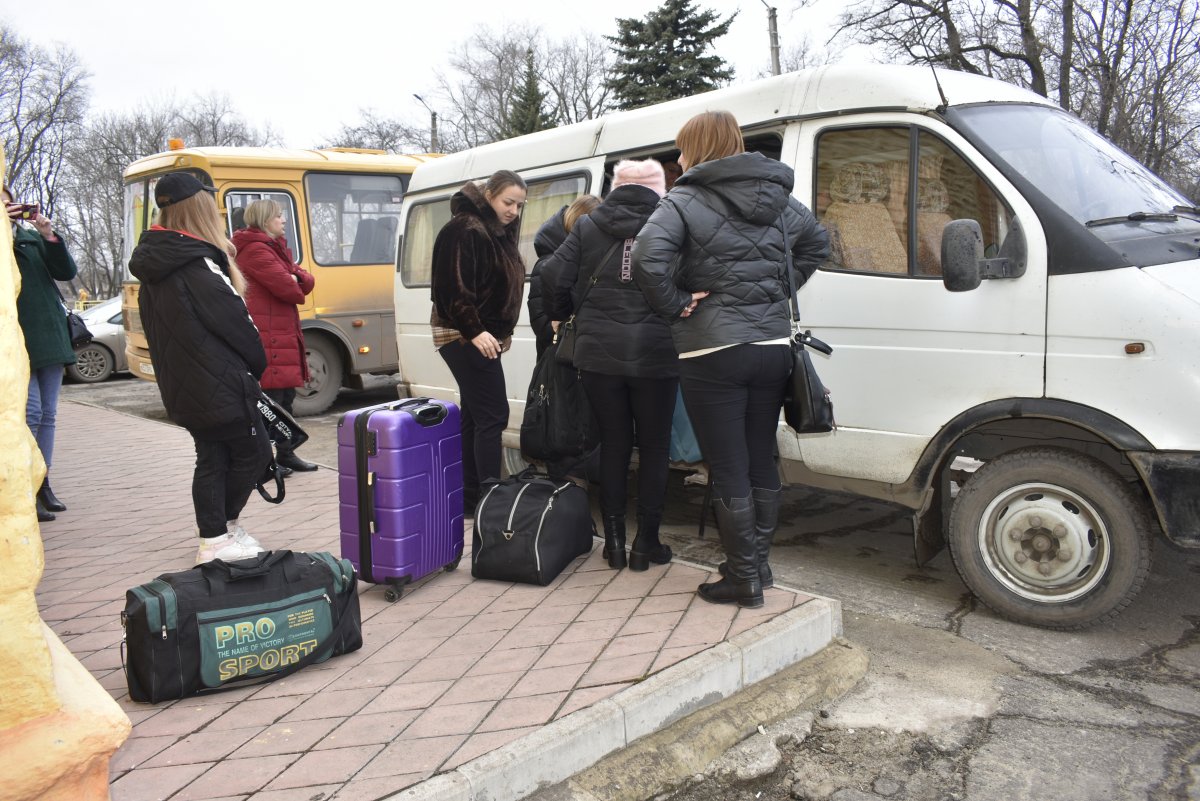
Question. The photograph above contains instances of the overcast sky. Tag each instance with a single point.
(306, 67)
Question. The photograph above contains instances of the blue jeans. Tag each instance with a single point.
(41, 407)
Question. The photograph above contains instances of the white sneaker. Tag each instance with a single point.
(234, 529)
(226, 547)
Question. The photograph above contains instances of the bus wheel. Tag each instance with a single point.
(1051, 538)
(325, 377)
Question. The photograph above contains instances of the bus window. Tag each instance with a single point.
(353, 219)
(424, 222)
(236, 201)
(544, 200)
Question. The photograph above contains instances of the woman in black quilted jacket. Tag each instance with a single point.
(207, 357)
(624, 352)
(711, 260)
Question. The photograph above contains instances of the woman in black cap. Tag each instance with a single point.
(207, 357)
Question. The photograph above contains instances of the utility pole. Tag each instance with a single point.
(773, 29)
(433, 140)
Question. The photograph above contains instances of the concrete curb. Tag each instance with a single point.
(577, 742)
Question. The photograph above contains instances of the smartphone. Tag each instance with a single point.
(24, 211)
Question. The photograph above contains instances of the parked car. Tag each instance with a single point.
(105, 354)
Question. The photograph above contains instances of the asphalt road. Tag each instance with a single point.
(958, 703)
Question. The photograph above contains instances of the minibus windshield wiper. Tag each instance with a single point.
(1187, 210)
(1137, 216)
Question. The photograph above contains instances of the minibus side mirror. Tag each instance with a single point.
(963, 263)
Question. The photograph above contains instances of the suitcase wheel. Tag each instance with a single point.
(392, 594)
(453, 565)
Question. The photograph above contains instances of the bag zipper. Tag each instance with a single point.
(227, 614)
(512, 513)
(537, 554)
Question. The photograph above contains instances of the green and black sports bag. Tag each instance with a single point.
(227, 624)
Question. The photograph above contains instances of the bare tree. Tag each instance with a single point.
(378, 132)
(576, 75)
(1130, 69)
(43, 98)
(486, 70)
(211, 120)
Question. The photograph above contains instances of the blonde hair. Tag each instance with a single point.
(584, 204)
(260, 212)
(708, 136)
(198, 215)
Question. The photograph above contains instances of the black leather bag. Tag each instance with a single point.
(284, 432)
(558, 421)
(528, 528)
(228, 624)
(807, 407)
(806, 404)
(80, 335)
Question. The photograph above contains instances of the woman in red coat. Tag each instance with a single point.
(274, 287)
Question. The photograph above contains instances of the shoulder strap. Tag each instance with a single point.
(593, 277)
(787, 268)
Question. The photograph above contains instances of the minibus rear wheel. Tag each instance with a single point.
(1050, 537)
(325, 376)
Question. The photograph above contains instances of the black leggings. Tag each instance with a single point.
(484, 411)
(622, 404)
(226, 472)
(733, 397)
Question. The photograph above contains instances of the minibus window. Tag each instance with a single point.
(421, 229)
(544, 200)
(886, 193)
(353, 219)
(237, 200)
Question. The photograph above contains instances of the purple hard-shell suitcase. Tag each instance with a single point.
(400, 487)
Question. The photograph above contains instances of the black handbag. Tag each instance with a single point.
(228, 624)
(284, 432)
(558, 422)
(807, 407)
(80, 335)
(528, 528)
(567, 332)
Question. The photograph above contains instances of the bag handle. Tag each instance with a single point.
(273, 471)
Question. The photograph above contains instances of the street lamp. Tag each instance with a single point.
(433, 142)
(773, 30)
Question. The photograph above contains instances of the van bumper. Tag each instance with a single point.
(1173, 479)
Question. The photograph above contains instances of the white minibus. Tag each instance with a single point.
(1012, 302)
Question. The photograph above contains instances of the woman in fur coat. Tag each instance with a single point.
(478, 281)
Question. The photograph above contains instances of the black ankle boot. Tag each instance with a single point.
(766, 520)
(741, 585)
(49, 502)
(647, 547)
(43, 515)
(614, 541)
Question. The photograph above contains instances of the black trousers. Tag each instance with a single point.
(734, 397)
(226, 472)
(484, 411)
(630, 409)
(284, 397)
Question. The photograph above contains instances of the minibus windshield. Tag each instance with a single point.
(1087, 176)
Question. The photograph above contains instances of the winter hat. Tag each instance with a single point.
(648, 173)
(177, 186)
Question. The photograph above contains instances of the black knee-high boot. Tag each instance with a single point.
(766, 521)
(740, 584)
(614, 541)
(647, 547)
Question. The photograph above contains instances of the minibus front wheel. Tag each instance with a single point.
(1050, 537)
(325, 367)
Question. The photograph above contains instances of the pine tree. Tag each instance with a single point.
(526, 114)
(663, 56)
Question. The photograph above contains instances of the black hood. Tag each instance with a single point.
(160, 252)
(552, 234)
(755, 187)
(625, 210)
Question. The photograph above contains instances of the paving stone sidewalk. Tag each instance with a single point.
(455, 670)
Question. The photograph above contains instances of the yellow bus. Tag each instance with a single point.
(341, 209)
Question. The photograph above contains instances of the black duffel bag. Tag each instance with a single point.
(227, 624)
(528, 528)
